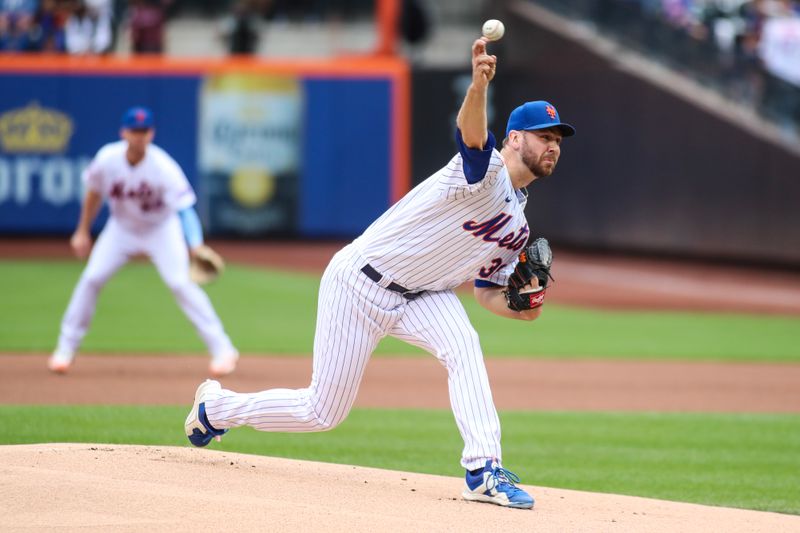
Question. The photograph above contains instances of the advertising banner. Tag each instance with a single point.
(40, 186)
(250, 153)
(52, 126)
(295, 148)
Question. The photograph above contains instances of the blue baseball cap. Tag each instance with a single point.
(138, 118)
(537, 115)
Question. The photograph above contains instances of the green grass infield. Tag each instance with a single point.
(732, 460)
(274, 312)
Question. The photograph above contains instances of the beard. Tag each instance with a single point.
(537, 165)
(536, 162)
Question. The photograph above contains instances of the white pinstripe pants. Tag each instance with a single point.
(353, 314)
(166, 248)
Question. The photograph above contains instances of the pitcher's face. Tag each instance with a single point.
(540, 150)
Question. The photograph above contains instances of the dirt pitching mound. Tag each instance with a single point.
(100, 487)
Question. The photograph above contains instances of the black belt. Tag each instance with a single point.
(376, 276)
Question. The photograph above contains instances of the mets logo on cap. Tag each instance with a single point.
(138, 118)
(537, 115)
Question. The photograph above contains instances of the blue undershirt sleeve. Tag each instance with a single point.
(192, 228)
(481, 283)
(475, 161)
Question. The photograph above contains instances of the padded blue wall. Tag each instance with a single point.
(345, 179)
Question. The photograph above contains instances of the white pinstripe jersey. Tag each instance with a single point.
(447, 231)
(141, 196)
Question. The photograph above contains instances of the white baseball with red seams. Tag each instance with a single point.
(493, 30)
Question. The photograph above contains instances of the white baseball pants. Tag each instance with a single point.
(353, 314)
(166, 248)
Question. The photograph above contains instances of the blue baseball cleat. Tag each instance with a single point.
(494, 484)
(197, 427)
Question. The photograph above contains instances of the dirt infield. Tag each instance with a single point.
(422, 383)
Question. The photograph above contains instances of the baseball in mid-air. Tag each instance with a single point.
(493, 29)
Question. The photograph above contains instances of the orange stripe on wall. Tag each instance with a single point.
(355, 65)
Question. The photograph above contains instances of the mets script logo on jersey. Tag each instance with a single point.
(149, 199)
(489, 229)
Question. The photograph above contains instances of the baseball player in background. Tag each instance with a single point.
(151, 213)
(465, 222)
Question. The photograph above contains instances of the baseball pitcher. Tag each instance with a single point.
(465, 222)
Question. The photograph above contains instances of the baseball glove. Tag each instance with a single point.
(205, 265)
(534, 262)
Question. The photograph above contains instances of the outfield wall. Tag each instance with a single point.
(299, 148)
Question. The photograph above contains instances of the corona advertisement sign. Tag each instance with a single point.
(34, 129)
(250, 152)
(33, 167)
(296, 148)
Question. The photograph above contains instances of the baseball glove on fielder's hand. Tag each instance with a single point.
(205, 265)
(534, 262)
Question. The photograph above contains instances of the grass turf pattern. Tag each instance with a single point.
(274, 312)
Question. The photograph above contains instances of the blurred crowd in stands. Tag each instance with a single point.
(80, 26)
(748, 50)
(92, 26)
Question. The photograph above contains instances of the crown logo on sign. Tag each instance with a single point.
(551, 111)
(34, 129)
